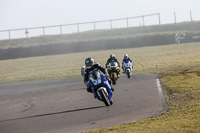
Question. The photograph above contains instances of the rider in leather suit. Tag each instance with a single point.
(113, 59)
(124, 60)
(90, 66)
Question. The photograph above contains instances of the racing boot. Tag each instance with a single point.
(118, 75)
(112, 88)
(95, 96)
(89, 89)
(111, 102)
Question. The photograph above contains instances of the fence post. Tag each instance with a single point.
(110, 24)
(61, 29)
(159, 18)
(127, 22)
(26, 32)
(175, 17)
(143, 20)
(43, 31)
(191, 15)
(94, 26)
(9, 34)
(78, 28)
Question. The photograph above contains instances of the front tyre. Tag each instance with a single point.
(104, 97)
(128, 73)
(113, 79)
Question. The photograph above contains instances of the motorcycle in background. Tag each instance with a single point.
(128, 67)
(112, 70)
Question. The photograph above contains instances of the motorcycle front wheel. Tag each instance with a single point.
(113, 79)
(104, 97)
(128, 73)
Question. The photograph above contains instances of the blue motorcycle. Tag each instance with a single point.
(101, 87)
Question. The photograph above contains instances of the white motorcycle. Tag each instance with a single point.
(128, 68)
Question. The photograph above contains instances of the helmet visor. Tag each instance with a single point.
(88, 64)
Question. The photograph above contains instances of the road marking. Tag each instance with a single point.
(159, 88)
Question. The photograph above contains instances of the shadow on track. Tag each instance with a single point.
(49, 114)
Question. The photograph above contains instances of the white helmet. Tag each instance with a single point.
(112, 56)
(125, 56)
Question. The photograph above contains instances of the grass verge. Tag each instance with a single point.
(155, 59)
(182, 88)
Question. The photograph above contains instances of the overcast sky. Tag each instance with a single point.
(35, 13)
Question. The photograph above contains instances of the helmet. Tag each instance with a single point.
(125, 56)
(112, 56)
(89, 61)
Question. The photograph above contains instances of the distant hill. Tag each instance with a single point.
(98, 40)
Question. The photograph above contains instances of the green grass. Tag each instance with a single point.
(177, 64)
(155, 59)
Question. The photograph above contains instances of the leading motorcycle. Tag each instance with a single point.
(97, 83)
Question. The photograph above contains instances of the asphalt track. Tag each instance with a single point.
(64, 105)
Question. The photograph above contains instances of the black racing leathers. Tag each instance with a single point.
(95, 66)
(112, 60)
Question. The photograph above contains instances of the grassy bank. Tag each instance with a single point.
(154, 59)
(182, 88)
(131, 32)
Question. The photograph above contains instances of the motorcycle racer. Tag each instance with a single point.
(124, 60)
(90, 66)
(113, 59)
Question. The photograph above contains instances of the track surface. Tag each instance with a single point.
(64, 105)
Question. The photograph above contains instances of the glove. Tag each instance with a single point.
(108, 78)
(87, 83)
